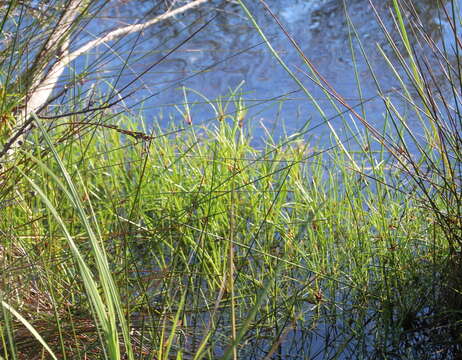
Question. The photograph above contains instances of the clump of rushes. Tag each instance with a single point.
(314, 245)
(422, 137)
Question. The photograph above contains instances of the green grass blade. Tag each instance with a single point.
(29, 327)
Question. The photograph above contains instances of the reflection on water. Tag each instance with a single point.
(229, 50)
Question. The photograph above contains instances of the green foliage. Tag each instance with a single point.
(161, 213)
(202, 242)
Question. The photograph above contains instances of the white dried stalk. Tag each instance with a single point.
(46, 81)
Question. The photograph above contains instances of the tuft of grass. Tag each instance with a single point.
(310, 243)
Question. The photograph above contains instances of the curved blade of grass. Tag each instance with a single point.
(30, 328)
(111, 308)
(85, 272)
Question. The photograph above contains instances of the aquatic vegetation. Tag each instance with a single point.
(121, 238)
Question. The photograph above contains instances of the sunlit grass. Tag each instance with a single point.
(314, 242)
(119, 239)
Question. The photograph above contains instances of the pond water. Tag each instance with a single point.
(229, 52)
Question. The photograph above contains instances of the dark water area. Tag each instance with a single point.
(229, 53)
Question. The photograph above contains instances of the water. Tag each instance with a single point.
(229, 51)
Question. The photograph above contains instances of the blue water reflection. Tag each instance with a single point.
(229, 51)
